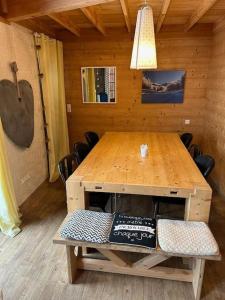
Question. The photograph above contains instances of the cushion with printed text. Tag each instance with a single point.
(136, 231)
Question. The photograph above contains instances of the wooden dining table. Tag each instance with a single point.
(115, 165)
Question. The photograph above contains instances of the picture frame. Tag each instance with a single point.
(163, 86)
(99, 84)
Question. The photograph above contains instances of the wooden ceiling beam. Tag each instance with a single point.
(38, 26)
(90, 13)
(162, 15)
(65, 22)
(23, 9)
(198, 13)
(3, 11)
(3, 7)
(125, 11)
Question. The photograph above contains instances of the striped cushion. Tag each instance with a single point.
(86, 225)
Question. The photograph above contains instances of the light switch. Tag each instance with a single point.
(187, 122)
(69, 109)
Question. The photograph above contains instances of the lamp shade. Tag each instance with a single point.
(144, 50)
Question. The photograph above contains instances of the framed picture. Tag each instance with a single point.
(98, 84)
(163, 86)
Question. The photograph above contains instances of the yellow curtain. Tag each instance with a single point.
(9, 218)
(51, 66)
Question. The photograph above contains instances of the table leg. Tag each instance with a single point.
(198, 273)
(76, 196)
(197, 207)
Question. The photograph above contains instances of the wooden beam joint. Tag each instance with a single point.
(65, 22)
(38, 26)
(90, 13)
(198, 13)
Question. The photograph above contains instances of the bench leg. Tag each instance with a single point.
(72, 263)
(198, 273)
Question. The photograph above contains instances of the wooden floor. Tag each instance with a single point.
(31, 267)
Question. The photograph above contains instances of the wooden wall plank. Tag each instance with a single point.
(191, 52)
(215, 108)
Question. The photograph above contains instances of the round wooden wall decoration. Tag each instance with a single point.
(17, 115)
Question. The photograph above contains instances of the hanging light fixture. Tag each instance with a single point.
(144, 50)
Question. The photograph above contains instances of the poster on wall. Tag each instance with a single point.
(163, 86)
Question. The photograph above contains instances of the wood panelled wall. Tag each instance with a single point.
(214, 138)
(175, 50)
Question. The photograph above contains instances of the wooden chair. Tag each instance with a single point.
(91, 138)
(186, 138)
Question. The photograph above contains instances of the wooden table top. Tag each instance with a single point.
(116, 160)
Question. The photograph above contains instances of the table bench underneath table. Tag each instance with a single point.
(114, 259)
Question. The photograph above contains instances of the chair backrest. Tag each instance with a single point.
(194, 151)
(186, 138)
(66, 166)
(205, 164)
(91, 138)
(80, 150)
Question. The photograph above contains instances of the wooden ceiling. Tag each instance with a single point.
(51, 17)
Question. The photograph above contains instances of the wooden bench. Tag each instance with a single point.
(113, 260)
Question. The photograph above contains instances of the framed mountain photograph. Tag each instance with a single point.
(163, 86)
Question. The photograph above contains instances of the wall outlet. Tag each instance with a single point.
(25, 179)
(69, 108)
(187, 122)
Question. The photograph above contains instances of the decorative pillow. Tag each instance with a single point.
(186, 237)
(90, 226)
(134, 231)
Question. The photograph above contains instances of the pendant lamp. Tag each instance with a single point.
(144, 50)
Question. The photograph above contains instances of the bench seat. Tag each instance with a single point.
(115, 260)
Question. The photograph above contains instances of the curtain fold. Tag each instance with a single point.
(50, 57)
(9, 217)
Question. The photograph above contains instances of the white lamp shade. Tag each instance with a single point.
(144, 50)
